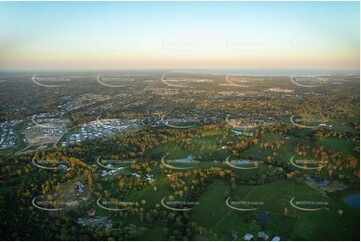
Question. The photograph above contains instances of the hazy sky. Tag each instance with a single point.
(97, 35)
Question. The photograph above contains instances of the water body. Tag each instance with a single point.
(264, 217)
(185, 160)
(274, 72)
(353, 200)
(242, 162)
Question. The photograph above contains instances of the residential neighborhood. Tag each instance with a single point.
(8, 135)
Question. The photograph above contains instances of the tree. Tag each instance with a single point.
(340, 212)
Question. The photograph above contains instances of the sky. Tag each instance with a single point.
(218, 35)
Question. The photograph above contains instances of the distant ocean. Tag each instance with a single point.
(273, 72)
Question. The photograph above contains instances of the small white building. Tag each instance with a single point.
(135, 174)
(262, 235)
(248, 237)
(61, 166)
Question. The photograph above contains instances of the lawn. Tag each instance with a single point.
(322, 224)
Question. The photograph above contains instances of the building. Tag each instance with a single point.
(234, 234)
(135, 174)
(248, 237)
(244, 133)
(262, 235)
(63, 167)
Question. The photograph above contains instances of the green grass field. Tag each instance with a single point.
(213, 213)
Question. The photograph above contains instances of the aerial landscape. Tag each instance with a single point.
(159, 121)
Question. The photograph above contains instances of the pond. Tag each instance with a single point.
(353, 200)
(264, 217)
